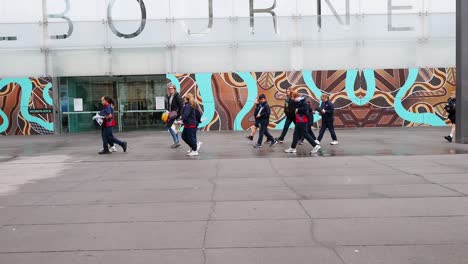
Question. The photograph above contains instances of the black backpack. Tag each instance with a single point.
(198, 115)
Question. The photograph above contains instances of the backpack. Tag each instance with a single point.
(198, 115)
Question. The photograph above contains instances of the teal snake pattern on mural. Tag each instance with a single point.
(362, 98)
(26, 106)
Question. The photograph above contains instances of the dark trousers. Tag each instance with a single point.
(264, 131)
(300, 131)
(309, 130)
(288, 122)
(108, 138)
(189, 135)
(327, 124)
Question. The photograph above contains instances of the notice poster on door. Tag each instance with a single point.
(159, 102)
(78, 104)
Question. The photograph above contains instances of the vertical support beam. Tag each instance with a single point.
(57, 106)
(461, 135)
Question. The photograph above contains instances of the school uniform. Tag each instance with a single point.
(327, 120)
(263, 111)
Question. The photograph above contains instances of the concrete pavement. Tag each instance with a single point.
(393, 195)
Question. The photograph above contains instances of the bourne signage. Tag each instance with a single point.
(330, 6)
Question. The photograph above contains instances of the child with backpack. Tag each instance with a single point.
(191, 117)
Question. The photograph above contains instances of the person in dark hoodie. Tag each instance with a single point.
(302, 121)
(289, 112)
(310, 116)
(174, 106)
(327, 109)
(262, 116)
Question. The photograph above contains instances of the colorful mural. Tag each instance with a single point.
(26, 106)
(362, 98)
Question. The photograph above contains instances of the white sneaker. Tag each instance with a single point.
(199, 143)
(290, 150)
(190, 150)
(334, 142)
(316, 149)
(113, 149)
(192, 153)
(317, 142)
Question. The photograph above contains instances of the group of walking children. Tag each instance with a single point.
(297, 110)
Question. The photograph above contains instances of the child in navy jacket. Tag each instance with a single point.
(262, 117)
(327, 109)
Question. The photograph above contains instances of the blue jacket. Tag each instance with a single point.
(108, 110)
(188, 116)
(264, 114)
(329, 109)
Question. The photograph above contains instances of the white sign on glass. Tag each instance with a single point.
(77, 104)
(159, 102)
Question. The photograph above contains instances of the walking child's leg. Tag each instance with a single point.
(193, 138)
(113, 139)
(331, 127)
(295, 136)
(253, 130)
(268, 135)
(105, 140)
(310, 139)
(322, 130)
(262, 128)
(287, 124)
(309, 130)
(185, 137)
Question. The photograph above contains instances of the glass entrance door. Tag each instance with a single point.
(137, 103)
(134, 106)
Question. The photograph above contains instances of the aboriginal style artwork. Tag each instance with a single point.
(26, 106)
(362, 98)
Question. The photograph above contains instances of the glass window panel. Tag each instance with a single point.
(331, 55)
(264, 30)
(85, 34)
(437, 53)
(381, 7)
(23, 63)
(158, 9)
(86, 10)
(19, 11)
(139, 61)
(188, 59)
(376, 27)
(79, 62)
(442, 25)
(29, 35)
(195, 31)
(309, 8)
(155, 34)
(437, 6)
(263, 57)
(389, 54)
(331, 29)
